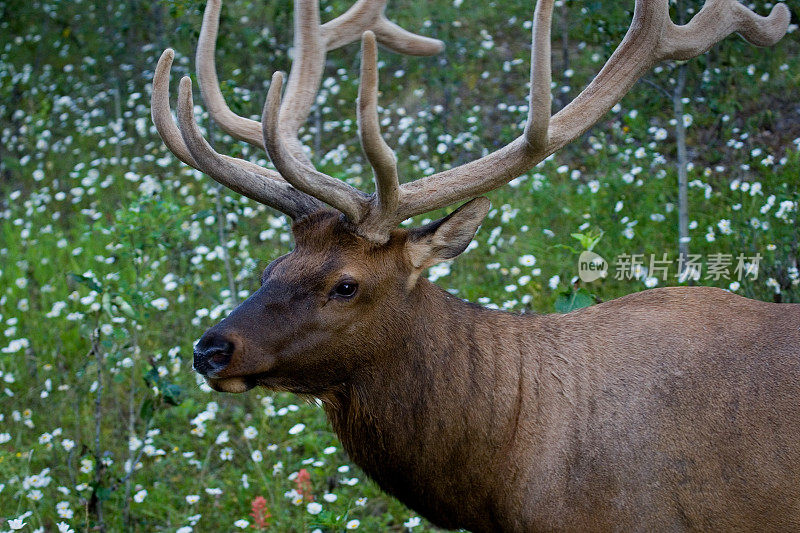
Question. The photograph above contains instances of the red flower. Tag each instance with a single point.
(303, 482)
(260, 513)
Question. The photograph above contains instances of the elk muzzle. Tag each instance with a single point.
(214, 354)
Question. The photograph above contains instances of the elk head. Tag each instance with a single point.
(351, 281)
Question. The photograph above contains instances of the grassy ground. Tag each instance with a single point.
(115, 257)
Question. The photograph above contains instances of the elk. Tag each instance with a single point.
(670, 409)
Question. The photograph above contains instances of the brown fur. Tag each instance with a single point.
(671, 409)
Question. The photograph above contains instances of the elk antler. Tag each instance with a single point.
(375, 217)
(651, 38)
(312, 41)
(380, 156)
(261, 184)
(306, 178)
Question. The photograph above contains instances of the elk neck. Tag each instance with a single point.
(440, 403)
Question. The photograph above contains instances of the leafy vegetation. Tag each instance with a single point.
(116, 257)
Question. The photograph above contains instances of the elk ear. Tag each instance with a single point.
(445, 238)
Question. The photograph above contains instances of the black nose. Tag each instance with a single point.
(212, 354)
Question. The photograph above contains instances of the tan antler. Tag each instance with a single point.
(258, 183)
(304, 177)
(651, 38)
(381, 158)
(301, 192)
(375, 216)
(281, 120)
(312, 41)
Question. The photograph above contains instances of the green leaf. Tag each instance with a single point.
(151, 377)
(147, 410)
(106, 303)
(573, 299)
(103, 493)
(588, 240)
(565, 247)
(85, 280)
(172, 394)
(125, 307)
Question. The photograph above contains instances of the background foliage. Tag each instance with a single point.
(115, 257)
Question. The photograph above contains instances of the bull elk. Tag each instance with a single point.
(670, 409)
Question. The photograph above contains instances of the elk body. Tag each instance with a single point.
(670, 409)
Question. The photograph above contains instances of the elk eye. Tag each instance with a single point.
(345, 289)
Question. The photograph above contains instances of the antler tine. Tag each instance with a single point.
(498, 168)
(332, 191)
(242, 128)
(378, 153)
(718, 19)
(652, 37)
(540, 101)
(304, 76)
(274, 193)
(343, 30)
(165, 124)
(161, 112)
(238, 127)
(368, 15)
(403, 41)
